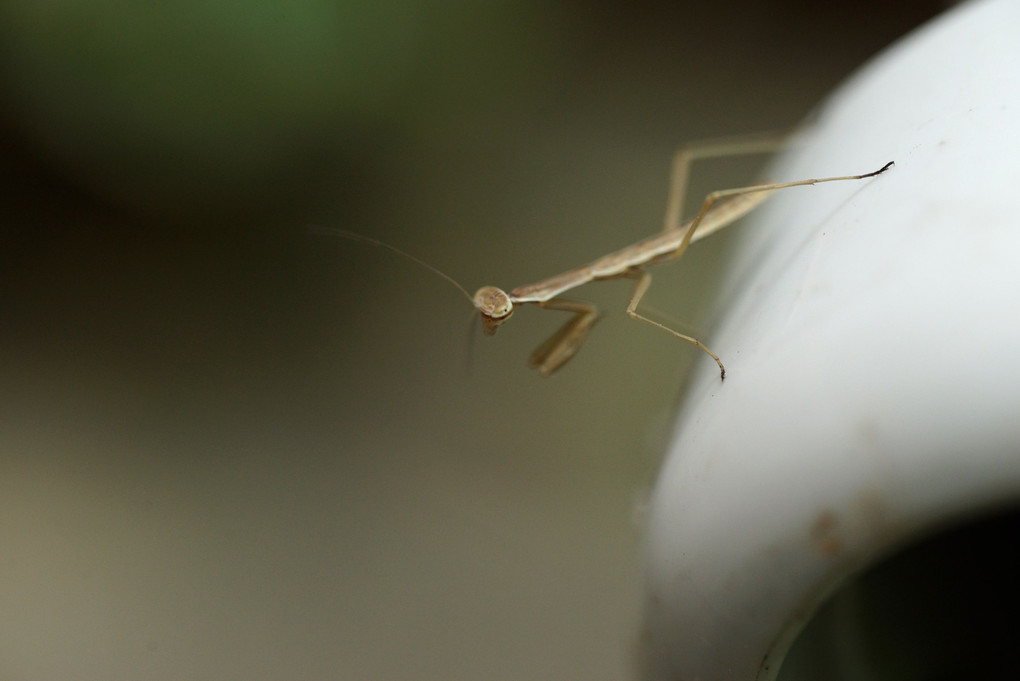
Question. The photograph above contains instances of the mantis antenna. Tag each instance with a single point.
(354, 236)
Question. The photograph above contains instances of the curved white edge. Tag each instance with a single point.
(871, 334)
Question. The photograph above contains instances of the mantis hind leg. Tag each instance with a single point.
(762, 191)
(761, 143)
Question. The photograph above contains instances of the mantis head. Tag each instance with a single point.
(495, 306)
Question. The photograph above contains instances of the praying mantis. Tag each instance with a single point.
(719, 209)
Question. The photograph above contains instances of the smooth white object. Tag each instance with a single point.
(871, 335)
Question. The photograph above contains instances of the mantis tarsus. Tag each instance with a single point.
(718, 210)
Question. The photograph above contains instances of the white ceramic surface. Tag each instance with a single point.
(871, 334)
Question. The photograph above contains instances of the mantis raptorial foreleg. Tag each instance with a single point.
(561, 346)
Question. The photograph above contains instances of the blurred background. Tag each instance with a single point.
(231, 448)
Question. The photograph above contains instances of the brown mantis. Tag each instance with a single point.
(718, 210)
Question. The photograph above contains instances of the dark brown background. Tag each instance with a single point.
(230, 448)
